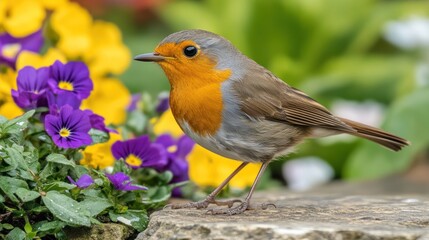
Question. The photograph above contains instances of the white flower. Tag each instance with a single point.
(408, 34)
(109, 169)
(368, 112)
(304, 173)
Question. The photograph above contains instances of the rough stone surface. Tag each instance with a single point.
(302, 216)
(99, 232)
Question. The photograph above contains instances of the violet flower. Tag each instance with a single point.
(135, 99)
(83, 182)
(32, 85)
(69, 129)
(11, 47)
(56, 101)
(140, 152)
(122, 182)
(97, 122)
(163, 102)
(177, 151)
(72, 76)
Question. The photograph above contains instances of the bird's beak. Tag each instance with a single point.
(150, 57)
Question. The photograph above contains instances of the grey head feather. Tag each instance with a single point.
(215, 46)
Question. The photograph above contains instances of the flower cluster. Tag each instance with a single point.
(68, 33)
(61, 89)
(87, 140)
(57, 78)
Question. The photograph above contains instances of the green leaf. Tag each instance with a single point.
(46, 226)
(137, 121)
(1, 199)
(138, 219)
(2, 119)
(28, 228)
(26, 195)
(47, 171)
(15, 154)
(95, 205)
(65, 209)
(60, 159)
(158, 194)
(17, 124)
(166, 176)
(81, 170)
(92, 192)
(15, 234)
(10, 185)
(407, 118)
(98, 136)
(58, 186)
(7, 226)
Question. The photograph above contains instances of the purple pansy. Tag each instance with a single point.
(69, 129)
(177, 151)
(135, 99)
(56, 101)
(122, 182)
(11, 47)
(97, 122)
(83, 182)
(163, 102)
(32, 85)
(140, 152)
(72, 76)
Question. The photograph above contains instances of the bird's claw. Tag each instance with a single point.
(204, 204)
(240, 208)
(230, 211)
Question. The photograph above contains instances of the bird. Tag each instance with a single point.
(232, 106)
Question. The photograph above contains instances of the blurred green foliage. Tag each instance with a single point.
(330, 49)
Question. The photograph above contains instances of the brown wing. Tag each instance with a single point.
(266, 96)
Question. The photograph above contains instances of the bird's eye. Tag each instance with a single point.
(190, 51)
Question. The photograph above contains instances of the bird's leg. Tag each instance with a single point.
(210, 199)
(246, 204)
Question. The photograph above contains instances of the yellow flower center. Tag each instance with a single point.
(133, 160)
(11, 50)
(64, 132)
(65, 85)
(172, 149)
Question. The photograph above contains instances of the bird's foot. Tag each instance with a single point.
(204, 203)
(240, 208)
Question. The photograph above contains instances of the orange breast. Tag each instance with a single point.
(196, 95)
(200, 108)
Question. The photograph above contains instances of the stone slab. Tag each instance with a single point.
(302, 216)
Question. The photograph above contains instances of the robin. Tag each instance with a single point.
(236, 108)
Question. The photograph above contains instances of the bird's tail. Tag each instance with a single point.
(377, 135)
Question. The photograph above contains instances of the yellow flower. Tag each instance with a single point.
(54, 4)
(8, 108)
(73, 25)
(21, 17)
(210, 169)
(27, 58)
(205, 167)
(167, 124)
(109, 99)
(99, 155)
(106, 44)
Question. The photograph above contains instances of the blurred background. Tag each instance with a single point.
(366, 60)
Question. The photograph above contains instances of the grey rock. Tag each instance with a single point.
(100, 232)
(302, 216)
